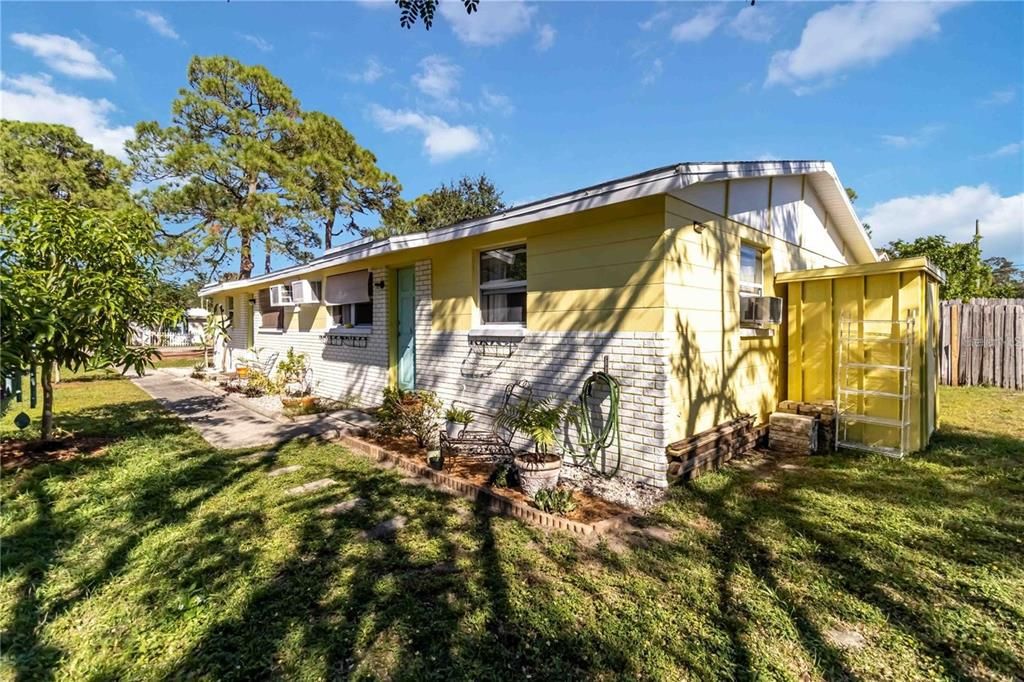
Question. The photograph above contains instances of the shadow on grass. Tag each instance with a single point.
(459, 594)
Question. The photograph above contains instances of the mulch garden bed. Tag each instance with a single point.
(20, 454)
(477, 470)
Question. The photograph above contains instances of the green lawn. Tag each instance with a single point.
(164, 558)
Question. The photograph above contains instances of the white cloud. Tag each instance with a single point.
(923, 136)
(158, 23)
(495, 101)
(655, 20)
(372, 72)
(545, 38)
(699, 26)
(256, 41)
(441, 140)
(33, 98)
(438, 78)
(1004, 96)
(1011, 149)
(491, 24)
(754, 23)
(653, 72)
(851, 35)
(63, 54)
(953, 214)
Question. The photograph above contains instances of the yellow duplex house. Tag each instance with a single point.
(660, 278)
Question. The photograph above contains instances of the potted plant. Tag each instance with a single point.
(456, 420)
(242, 371)
(539, 470)
(435, 458)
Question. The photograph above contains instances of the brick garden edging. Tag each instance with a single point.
(492, 501)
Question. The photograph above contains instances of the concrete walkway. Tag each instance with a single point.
(225, 424)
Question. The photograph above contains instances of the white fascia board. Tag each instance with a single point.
(660, 181)
(664, 180)
(837, 203)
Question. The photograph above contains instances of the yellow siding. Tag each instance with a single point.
(596, 270)
(882, 291)
(716, 374)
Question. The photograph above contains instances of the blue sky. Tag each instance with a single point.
(919, 105)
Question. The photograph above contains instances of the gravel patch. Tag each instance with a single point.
(639, 496)
(268, 404)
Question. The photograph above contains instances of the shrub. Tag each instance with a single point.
(292, 369)
(259, 384)
(554, 501)
(504, 475)
(413, 413)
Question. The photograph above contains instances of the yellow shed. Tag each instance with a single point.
(867, 337)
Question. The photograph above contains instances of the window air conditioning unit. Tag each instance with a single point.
(760, 311)
(281, 295)
(303, 292)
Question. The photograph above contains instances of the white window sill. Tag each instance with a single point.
(349, 331)
(756, 333)
(270, 331)
(498, 331)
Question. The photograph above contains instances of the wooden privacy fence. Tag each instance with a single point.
(982, 343)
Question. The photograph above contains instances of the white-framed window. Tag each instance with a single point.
(348, 287)
(353, 314)
(229, 310)
(503, 285)
(751, 270)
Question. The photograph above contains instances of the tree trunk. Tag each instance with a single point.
(328, 230)
(47, 423)
(245, 263)
(269, 250)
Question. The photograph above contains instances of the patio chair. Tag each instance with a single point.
(495, 439)
(257, 363)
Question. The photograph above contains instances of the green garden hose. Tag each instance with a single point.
(595, 444)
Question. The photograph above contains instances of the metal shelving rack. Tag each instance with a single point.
(856, 336)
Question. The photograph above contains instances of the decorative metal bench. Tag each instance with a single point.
(496, 439)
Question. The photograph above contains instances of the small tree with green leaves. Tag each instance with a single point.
(73, 282)
(967, 276)
(450, 203)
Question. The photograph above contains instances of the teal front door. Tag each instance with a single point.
(406, 329)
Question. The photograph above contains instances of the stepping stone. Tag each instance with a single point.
(386, 529)
(310, 487)
(845, 639)
(284, 470)
(256, 457)
(342, 507)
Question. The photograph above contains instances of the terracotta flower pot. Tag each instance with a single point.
(243, 372)
(307, 401)
(537, 471)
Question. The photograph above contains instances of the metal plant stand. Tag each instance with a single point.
(874, 357)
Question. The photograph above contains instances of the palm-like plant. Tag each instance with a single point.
(540, 420)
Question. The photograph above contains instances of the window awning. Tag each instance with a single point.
(352, 287)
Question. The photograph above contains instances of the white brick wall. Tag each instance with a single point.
(556, 364)
(353, 374)
(476, 373)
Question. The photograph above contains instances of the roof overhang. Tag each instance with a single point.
(919, 263)
(664, 180)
